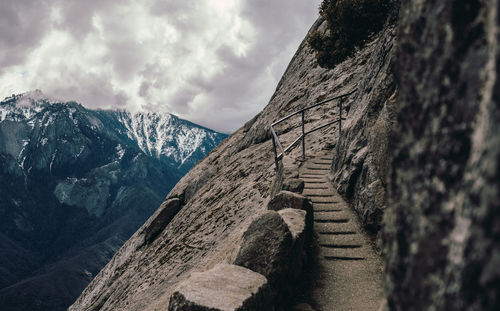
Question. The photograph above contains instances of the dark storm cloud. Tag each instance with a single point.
(95, 91)
(180, 14)
(213, 62)
(144, 88)
(77, 15)
(22, 25)
(126, 57)
(236, 90)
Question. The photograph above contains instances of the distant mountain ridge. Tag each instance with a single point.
(75, 183)
(160, 135)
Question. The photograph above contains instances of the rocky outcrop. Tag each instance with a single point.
(286, 199)
(223, 288)
(160, 219)
(267, 249)
(360, 162)
(442, 227)
(302, 233)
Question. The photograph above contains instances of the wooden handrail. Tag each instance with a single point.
(275, 138)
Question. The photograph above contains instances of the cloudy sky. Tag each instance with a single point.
(214, 62)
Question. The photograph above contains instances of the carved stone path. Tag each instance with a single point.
(349, 273)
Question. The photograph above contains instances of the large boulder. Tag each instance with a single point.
(223, 288)
(301, 233)
(286, 199)
(293, 185)
(267, 249)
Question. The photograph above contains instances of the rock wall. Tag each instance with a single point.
(441, 231)
(360, 163)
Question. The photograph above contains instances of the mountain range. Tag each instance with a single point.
(75, 183)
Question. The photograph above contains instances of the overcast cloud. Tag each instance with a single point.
(213, 62)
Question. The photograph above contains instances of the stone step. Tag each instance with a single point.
(314, 179)
(326, 232)
(327, 214)
(323, 153)
(329, 199)
(334, 245)
(321, 162)
(324, 164)
(317, 168)
(322, 176)
(331, 220)
(343, 253)
(312, 174)
(315, 187)
(316, 192)
(342, 258)
(327, 206)
(341, 239)
(335, 227)
(315, 182)
(315, 173)
(327, 210)
(313, 196)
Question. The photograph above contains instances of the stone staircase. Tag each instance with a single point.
(349, 273)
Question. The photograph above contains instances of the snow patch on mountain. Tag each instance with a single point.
(24, 106)
(165, 135)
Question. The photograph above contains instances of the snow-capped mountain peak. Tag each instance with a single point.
(24, 105)
(160, 135)
(165, 135)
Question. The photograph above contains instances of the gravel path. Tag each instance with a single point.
(349, 273)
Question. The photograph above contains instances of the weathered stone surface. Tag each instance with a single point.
(188, 190)
(223, 288)
(160, 219)
(442, 227)
(295, 220)
(361, 155)
(293, 185)
(266, 246)
(301, 234)
(287, 199)
(267, 249)
(277, 183)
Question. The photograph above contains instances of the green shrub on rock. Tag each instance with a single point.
(350, 24)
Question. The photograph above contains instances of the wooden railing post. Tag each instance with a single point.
(340, 117)
(303, 137)
(275, 152)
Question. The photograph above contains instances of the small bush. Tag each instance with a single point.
(350, 25)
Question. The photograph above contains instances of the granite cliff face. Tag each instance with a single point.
(418, 160)
(360, 164)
